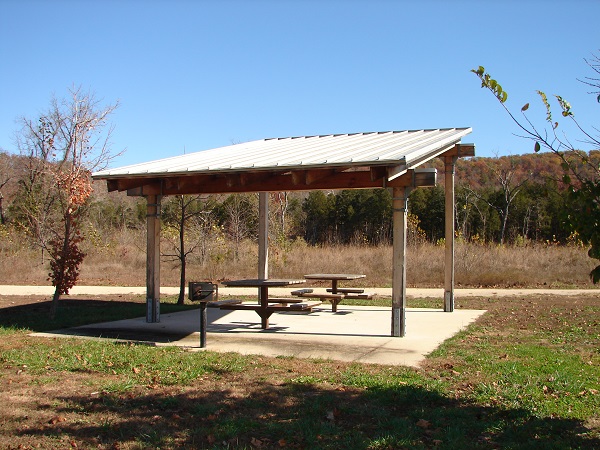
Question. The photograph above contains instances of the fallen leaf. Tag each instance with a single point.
(135, 370)
(56, 419)
(422, 423)
(211, 439)
(282, 442)
(256, 442)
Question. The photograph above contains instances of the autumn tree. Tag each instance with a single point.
(59, 150)
(581, 177)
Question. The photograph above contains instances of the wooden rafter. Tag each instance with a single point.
(279, 182)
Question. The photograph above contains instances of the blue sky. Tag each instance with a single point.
(194, 75)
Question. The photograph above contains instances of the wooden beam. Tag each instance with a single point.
(146, 190)
(396, 171)
(424, 177)
(461, 151)
(308, 177)
(299, 177)
(284, 181)
(124, 184)
(261, 182)
(414, 178)
(313, 176)
(378, 172)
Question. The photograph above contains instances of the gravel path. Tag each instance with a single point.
(383, 292)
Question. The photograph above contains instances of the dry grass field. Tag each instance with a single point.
(120, 260)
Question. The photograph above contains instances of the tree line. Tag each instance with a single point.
(508, 199)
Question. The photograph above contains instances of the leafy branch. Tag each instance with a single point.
(580, 176)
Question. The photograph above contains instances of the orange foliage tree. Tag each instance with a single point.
(60, 150)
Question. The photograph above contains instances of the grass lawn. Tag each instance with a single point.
(525, 375)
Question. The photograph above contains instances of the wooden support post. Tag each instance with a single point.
(449, 165)
(400, 206)
(263, 235)
(153, 259)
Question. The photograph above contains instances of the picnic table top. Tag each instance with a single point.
(259, 282)
(334, 276)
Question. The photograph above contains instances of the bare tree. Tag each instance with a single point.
(511, 184)
(185, 210)
(241, 214)
(60, 149)
(282, 202)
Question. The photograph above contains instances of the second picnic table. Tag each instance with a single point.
(337, 294)
(335, 277)
(264, 310)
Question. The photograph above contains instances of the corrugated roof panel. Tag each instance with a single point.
(302, 152)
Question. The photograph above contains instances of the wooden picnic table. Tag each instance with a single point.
(263, 309)
(335, 295)
(335, 278)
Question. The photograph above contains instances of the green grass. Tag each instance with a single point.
(526, 380)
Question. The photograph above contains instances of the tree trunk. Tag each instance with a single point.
(61, 276)
(504, 222)
(181, 298)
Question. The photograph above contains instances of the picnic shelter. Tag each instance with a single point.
(386, 160)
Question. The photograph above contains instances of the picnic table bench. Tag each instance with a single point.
(275, 305)
(335, 294)
(354, 293)
(334, 299)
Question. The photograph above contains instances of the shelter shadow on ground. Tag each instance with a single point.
(401, 416)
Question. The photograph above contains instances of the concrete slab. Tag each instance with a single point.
(354, 333)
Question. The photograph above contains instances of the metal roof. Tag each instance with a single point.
(409, 148)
